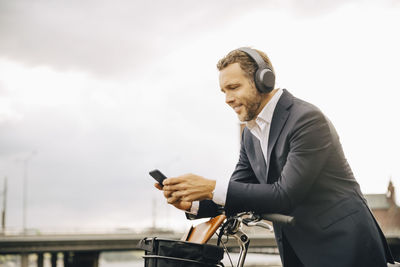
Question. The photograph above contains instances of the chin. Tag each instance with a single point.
(242, 118)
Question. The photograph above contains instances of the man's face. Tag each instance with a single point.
(240, 93)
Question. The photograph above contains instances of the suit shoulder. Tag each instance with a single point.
(304, 106)
(301, 110)
(300, 106)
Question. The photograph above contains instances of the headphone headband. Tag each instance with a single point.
(255, 56)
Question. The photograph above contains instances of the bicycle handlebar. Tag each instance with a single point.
(279, 218)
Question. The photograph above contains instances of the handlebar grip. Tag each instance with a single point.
(279, 218)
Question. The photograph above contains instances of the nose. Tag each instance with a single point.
(229, 99)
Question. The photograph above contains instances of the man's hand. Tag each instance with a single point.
(189, 187)
(176, 202)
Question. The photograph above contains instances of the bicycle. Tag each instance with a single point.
(233, 228)
(193, 251)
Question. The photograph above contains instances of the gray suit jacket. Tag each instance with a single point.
(306, 176)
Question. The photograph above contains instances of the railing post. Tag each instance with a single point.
(54, 259)
(68, 257)
(40, 260)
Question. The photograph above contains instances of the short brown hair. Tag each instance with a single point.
(247, 64)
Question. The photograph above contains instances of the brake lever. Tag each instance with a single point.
(253, 218)
(261, 224)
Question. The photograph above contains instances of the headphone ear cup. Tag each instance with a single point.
(264, 78)
(267, 79)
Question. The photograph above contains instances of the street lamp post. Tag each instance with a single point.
(3, 213)
(25, 189)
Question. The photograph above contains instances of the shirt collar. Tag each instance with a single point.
(265, 116)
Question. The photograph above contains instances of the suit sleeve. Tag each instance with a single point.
(309, 148)
(207, 209)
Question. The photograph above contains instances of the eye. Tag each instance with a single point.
(233, 86)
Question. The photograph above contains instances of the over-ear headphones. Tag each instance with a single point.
(264, 77)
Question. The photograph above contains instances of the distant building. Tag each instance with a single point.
(385, 210)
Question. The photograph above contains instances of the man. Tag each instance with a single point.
(291, 162)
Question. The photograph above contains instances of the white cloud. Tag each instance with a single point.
(99, 134)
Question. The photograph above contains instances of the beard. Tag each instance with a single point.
(251, 105)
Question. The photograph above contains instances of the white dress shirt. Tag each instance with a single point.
(259, 127)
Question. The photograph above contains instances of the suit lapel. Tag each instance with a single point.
(279, 118)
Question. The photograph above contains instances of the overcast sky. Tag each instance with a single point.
(97, 93)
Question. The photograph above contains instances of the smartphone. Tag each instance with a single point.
(159, 176)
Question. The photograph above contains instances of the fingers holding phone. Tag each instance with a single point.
(158, 186)
(160, 177)
(169, 195)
